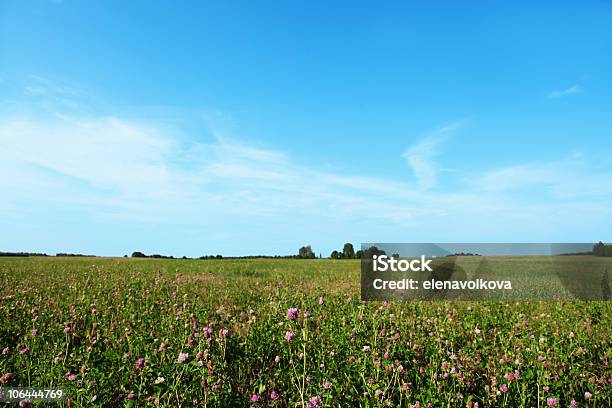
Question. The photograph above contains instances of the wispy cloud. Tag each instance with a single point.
(574, 89)
(113, 165)
(142, 171)
(571, 177)
(39, 85)
(119, 168)
(421, 156)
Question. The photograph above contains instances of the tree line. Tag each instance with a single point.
(22, 254)
(348, 252)
(138, 254)
(601, 249)
(25, 254)
(304, 252)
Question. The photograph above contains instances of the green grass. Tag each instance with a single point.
(450, 353)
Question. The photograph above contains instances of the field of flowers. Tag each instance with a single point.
(285, 333)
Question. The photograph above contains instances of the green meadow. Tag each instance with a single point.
(287, 333)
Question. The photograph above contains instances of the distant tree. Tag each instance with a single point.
(371, 251)
(138, 254)
(348, 251)
(359, 254)
(601, 249)
(306, 252)
(395, 255)
(22, 254)
(334, 255)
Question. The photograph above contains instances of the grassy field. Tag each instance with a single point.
(224, 333)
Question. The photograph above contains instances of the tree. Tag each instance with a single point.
(334, 254)
(138, 254)
(371, 251)
(306, 252)
(359, 254)
(599, 249)
(348, 251)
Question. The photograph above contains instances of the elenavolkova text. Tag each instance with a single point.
(432, 284)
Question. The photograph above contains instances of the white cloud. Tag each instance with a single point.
(568, 91)
(562, 179)
(118, 169)
(124, 163)
(421, 156)
(104, 152)
(114, 167)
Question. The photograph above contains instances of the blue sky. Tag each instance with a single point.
(257, 127)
